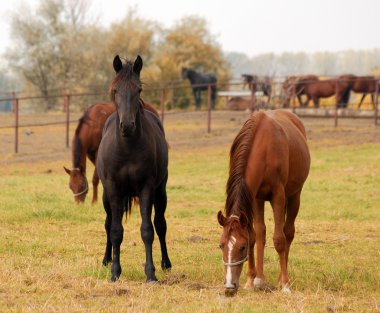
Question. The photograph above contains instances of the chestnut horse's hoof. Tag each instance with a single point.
(230, 292)
(262, 285)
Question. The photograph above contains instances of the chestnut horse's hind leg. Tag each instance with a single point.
(292, 208)
(160, 203)
(95, 183)
(279, 239)
(107, 225)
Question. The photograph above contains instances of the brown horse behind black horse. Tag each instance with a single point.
(86, 143)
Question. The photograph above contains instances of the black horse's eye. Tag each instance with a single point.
(140, 89)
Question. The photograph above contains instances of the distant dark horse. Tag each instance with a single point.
(132, 163)
(199, 82)
(257, 83)
(269, 161)
(86, 143)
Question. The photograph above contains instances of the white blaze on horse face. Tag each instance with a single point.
(230, 246)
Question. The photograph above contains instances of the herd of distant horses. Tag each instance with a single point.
(269, 161)
(311, 87)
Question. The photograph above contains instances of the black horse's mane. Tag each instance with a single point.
(127, 77)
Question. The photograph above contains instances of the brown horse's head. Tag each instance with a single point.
(234, 244)
(78, 183)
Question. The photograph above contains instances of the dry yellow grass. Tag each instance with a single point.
(51, 249)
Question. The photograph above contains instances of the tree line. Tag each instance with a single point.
(60, 47)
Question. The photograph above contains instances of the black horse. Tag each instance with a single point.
(199, 82)
(256, 83)
(132, 164)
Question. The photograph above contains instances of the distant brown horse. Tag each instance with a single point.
(363, 84)
(258, 83)
(85, 144)
(269, 161)
(294, 86)
(314, 90)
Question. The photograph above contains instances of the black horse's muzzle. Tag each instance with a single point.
(127, 129)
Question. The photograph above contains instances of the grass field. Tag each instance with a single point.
(51, 249)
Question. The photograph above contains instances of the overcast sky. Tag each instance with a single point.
(251, 26)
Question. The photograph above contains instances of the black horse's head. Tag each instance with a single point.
(184, 72)
(125, 92)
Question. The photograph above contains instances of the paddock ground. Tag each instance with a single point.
(51, 249)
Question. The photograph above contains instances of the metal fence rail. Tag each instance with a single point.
(230, 90)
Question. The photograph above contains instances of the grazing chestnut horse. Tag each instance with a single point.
(269, 161)
(132, 163)
(85, 144)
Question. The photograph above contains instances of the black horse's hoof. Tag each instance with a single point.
(166, 266)
(152, 280)
(114, 278)
(106, 261)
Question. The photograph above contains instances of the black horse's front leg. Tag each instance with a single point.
(107, 225)
(117, 232)
(147, 231)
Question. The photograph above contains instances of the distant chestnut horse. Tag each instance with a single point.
(294, 86)
(269, 161)
(363, 84)
(85, 144)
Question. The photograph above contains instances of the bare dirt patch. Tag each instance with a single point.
(183, 131)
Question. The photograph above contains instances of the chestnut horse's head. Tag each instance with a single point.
(125, 93)
(234, 244)
(78, 183)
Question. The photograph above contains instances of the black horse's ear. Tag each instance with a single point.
(137, 65)
(117, 64)
(221, 219)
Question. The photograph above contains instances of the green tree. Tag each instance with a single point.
(54, 47)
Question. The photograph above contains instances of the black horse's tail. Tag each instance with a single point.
(129, 203)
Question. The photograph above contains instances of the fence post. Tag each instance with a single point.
(252, 100)
(336, 102)
(16, 111)
(294, 98)
(66, 103)
(162, 104)
(209, 108)
(376, 102)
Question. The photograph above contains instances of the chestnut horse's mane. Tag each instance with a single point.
(239, 198)
(77, 144)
